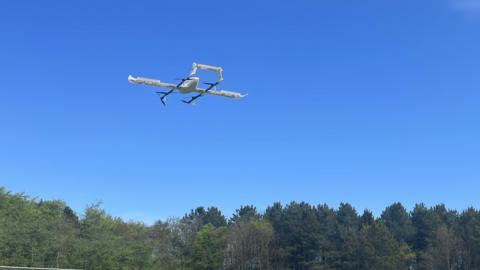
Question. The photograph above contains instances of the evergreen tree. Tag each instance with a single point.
(328, 252)
(215, 217)
(367, 218)
(425, 223)
(245, 213)
(398, 222)
(301, 235)
(381, 251)
(347, 256)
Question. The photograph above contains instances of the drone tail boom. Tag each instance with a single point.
(196, 66)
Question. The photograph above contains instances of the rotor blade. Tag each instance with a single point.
(188, 101)
(211, 84)
(193, 98)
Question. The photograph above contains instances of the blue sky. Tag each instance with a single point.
(367, 102)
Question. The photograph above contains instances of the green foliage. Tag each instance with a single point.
(367, 218)
(398, 221)
(444, 252)
(215, 217)
(297, 236)
(208, 248)
(380, 250)
(245, 213)
(425, 222)
(249, 245)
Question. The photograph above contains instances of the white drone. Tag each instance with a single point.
(189, 85)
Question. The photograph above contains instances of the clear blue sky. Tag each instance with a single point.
(367, 102)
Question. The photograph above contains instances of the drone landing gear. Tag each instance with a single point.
(192, 99)
(164, 96)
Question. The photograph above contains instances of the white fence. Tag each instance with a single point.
(32, 268)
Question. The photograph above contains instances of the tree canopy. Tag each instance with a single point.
(297, 236)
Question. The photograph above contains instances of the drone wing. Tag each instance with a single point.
(150, 82)
(222, 93)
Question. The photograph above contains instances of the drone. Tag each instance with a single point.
(189, 85)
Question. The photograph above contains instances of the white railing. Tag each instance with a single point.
(32, 268)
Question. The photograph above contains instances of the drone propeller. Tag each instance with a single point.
(192, 99)
(212, 84)
(183, 79)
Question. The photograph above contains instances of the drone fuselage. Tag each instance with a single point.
(189, 85)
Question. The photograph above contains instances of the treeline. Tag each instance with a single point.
(295, 236)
